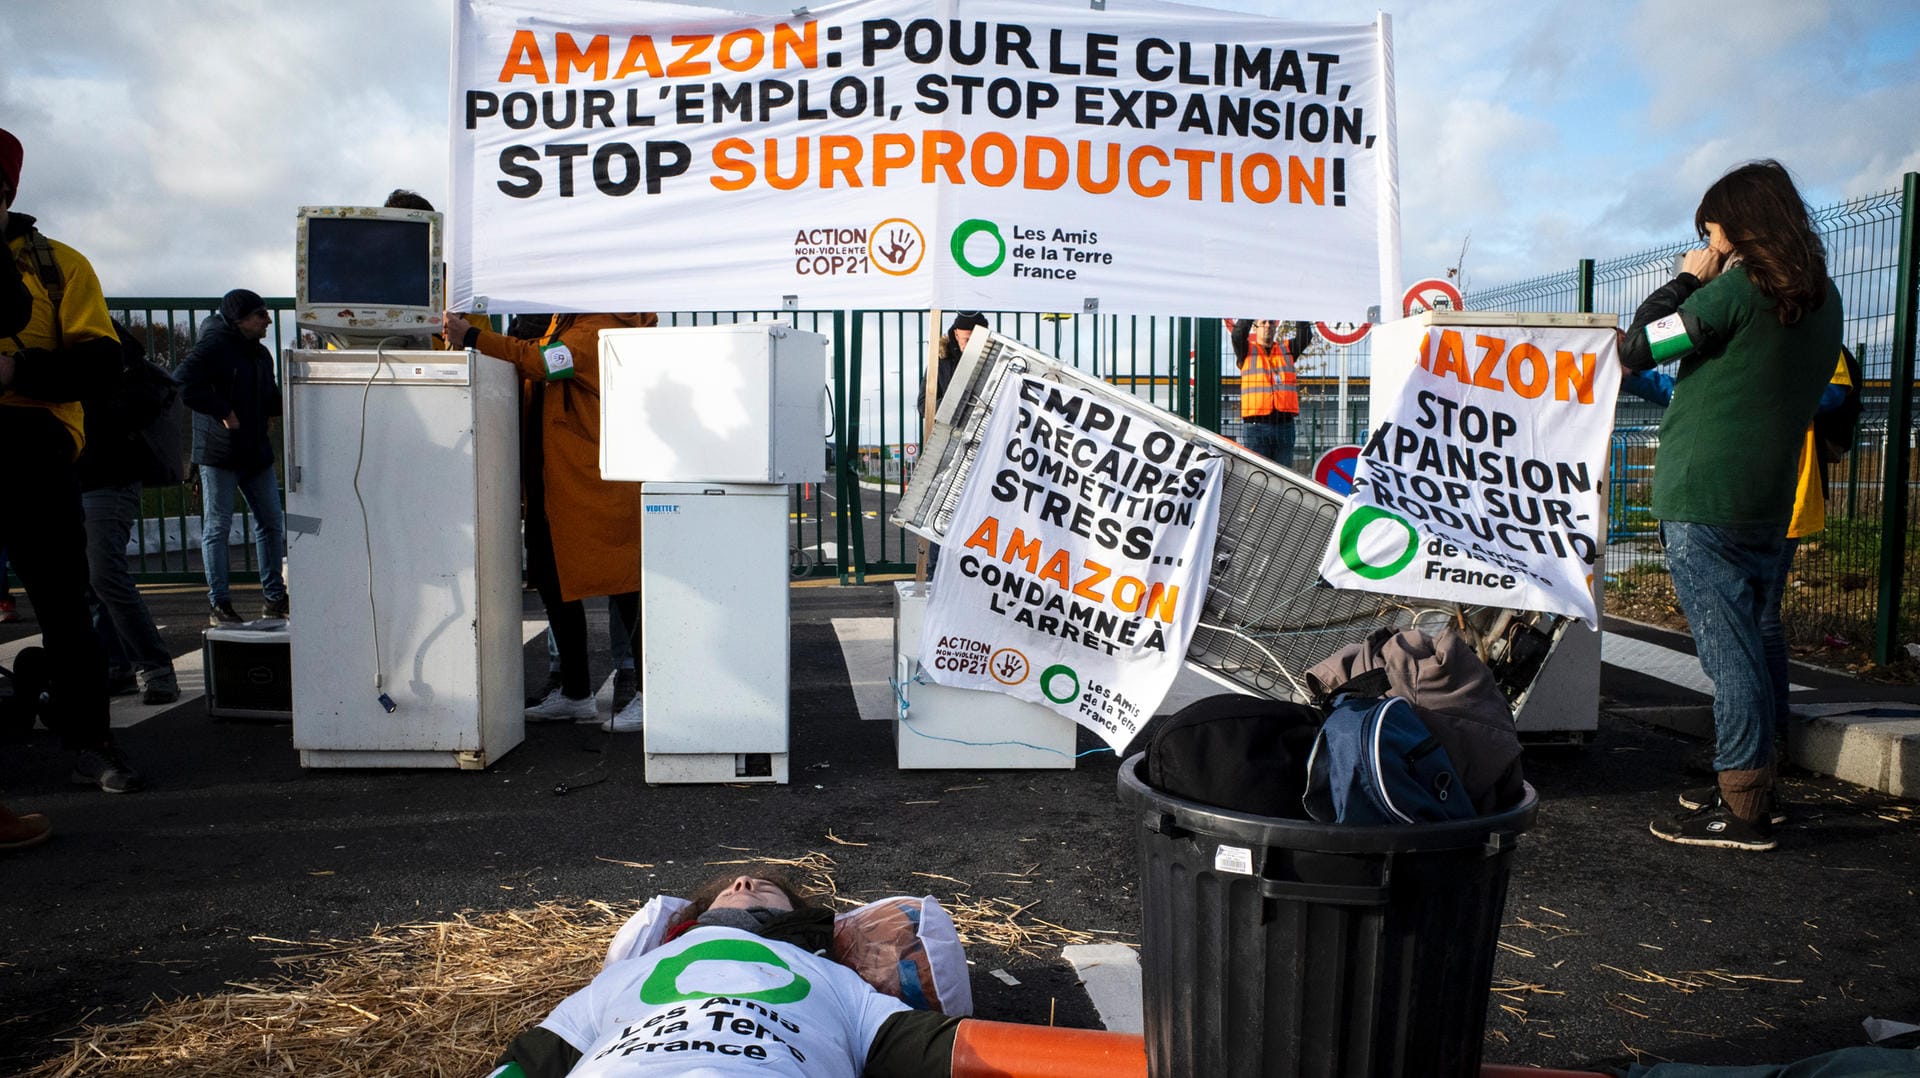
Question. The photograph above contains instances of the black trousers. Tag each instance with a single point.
(44, 532)
(568, 619)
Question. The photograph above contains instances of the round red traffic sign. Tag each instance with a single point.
(1334, 470)
(1432, 294)
(1342, 332)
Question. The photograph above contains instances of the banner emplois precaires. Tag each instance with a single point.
(998, 154)
(1077, 559)
(1483, 482)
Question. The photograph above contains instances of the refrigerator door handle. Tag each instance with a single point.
(288, 408)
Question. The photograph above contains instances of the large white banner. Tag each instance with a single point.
(1077, 560)
(1042, 155)
(1483, 479)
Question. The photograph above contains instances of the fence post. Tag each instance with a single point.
(1202, 342)
(1893, 508)
(1853, 458)
(846, 441)
(1206, 342)
(1586, 286)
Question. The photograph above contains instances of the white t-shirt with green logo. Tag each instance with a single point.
(717, 1002)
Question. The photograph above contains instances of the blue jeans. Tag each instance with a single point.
(1270, 439)
(1773, 635)
(1721, 577)
(120, 615)
(262, 490)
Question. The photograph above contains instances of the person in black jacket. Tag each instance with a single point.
(110, 470)
(227, 379)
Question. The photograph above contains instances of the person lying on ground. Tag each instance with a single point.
(742, 985)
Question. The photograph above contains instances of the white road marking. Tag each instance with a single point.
(866, 644)
(1111, 974)
(1666, 664)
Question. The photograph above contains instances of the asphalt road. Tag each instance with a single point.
(1617, 947)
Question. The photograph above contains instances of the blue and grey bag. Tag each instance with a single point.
(1375, 762)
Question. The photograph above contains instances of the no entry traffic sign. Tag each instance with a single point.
(1432, 294)
(1342, 333)
(1334, 470)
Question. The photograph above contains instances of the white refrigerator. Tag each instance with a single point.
(406, 579)
(713, 617)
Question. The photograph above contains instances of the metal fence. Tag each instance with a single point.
(876, 357)
(1854, 580)
(166, 541)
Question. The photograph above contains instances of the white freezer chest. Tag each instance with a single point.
(744, 403)
(954, 728)
(434, 438)
(714, 625)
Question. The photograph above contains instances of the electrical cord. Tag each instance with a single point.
(366, 525)
(907, 724)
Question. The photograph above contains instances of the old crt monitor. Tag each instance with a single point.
(367, 273)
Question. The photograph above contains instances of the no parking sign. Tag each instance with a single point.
(1334, 470)
(1342, 333)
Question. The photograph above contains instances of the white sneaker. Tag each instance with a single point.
(627, 720)
(559, 707)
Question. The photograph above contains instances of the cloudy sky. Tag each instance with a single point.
(171, 140)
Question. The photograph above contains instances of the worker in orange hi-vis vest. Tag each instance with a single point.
(1269, 384)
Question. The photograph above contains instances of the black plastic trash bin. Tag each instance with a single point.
(1281, 948)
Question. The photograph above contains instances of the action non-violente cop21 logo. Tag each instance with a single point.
(1357, 523)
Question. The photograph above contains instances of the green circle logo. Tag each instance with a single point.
(745, 958)
(1350, 543)
(967, 231)
(1046, 683)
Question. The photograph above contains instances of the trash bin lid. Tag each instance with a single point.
(1163, 809)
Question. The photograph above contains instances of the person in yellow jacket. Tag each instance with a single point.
(1269, 383)
(66, 351)
(583, 532)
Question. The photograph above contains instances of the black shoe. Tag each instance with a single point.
(122, 684)
(626, 685)
(1716, 826)
(107, 769)
(1695, 800)
(161, 689)
(221, 615)
(537, 696)
(274, 609)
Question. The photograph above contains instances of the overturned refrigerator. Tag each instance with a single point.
(1267, 615)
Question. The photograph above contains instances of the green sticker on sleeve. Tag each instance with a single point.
(559, 360)
(1668, 338)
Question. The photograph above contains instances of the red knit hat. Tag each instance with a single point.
(10, 155)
